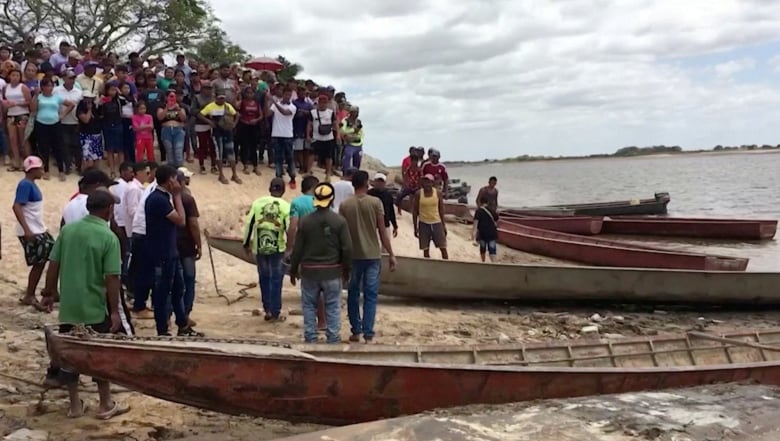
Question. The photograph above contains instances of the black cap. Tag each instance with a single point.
(277, 184)
(99, 200)
(96, 177)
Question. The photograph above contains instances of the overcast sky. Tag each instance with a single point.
(501, 78)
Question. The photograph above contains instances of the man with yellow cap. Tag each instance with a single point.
(322, 256)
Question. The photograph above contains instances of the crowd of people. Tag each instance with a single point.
(83, 109)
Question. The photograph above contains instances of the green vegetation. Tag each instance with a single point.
(627, 152)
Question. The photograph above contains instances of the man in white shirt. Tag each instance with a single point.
(71, 92)
(61, 57)
(282, 135)
(343, 189)
(76, 208)
(141, 271)
(321, 130)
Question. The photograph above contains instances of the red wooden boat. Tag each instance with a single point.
(603, 252)
(586, 226)
(349, 384)
(742, 229)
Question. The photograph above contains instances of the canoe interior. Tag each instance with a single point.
(662, 197)
(605, 252)
(575, 225)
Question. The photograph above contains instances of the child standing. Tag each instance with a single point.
(143, 125)
(485, 231)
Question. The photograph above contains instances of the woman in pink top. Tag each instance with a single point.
(143, 125)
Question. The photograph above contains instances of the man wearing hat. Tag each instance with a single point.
(379, 190)
(30, 228)
(322, 257)
(88, 81)
(83, 276)
(265, 238)
(70, 123)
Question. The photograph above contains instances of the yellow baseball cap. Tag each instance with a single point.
(323, 195)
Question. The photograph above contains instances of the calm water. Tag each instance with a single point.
(731, 185)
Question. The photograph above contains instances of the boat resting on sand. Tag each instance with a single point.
(273, 381)
(656, 205)
(583, 225)
(602, 252)
(451, 280)
(740, 229)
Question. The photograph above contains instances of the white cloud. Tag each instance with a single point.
(497, 78)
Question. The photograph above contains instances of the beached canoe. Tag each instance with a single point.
(602, 252)
(450, 280)
(277, 381)
(656, 205)
(583, 225)
(742, 229)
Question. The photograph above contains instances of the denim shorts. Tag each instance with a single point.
(112, 138)
(489, 246)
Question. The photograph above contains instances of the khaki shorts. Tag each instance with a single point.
(432, 232)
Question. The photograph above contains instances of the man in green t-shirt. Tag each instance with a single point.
(265, 237)
(86, 261)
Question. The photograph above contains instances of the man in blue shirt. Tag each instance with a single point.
(164, 213)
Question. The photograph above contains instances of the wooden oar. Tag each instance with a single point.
(735, 342)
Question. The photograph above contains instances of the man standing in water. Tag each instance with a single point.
(428, 218)
(490, 192)
(85, 263)
(366, 220)
(30, 228)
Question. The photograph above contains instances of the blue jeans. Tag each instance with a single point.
(365, 276)
(310, 293)
(167, 294)
(141, 272)
(283, 151)
(271, 273)
(3, 141)
(224, 144)
(188, 272)
(173, 140)
(352, 157)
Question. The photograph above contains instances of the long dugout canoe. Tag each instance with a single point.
(740, 229)
(583, 225)
(452, 280)
(602, 252)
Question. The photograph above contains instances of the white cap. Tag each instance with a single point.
(380, 177)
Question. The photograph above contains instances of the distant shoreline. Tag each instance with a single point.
(659, 154)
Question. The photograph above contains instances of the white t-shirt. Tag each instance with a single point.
(132, 199)
(119, 212)
(283, 124)
(74, 96)
(139, 220)
(32, 211)
(342, 190)
(75, 209)
(325, 117)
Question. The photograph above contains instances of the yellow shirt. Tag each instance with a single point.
(429, 208)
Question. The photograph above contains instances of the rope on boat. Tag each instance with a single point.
(213, 269)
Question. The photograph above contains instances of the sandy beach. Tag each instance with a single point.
(23, 356)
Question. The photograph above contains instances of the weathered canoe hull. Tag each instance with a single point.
(345, 392)
(438, 279)
(741, 229)
(655, 206)
(603, 252)
(586, 226)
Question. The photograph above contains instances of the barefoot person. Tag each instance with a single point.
(322, 256)
(265, 237)
(30, 228)
(85, 263)
(428, 218)
(485, 233)
(366, 220)
(491, 193)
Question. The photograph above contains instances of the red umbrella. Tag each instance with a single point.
(264, 63)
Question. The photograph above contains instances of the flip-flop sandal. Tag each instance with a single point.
(118, 409)
(237, 180)
(84, 408)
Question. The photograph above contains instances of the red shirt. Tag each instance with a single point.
(411, 175)
(437, 170)
(249, 111)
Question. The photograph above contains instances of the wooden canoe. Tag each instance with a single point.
(339, 386)
(582, 225)
(602, 252)
(741, 229)
(656, 205)
(449, 280)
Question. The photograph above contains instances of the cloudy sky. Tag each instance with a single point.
(501, 78)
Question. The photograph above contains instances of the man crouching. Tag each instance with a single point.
(87, 262)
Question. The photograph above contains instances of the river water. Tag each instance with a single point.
(744, 185)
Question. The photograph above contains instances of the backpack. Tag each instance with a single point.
(270, 226)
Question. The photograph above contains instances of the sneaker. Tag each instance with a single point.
(191, 323)
(369, 340)
(189, 332)
(354, 338)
